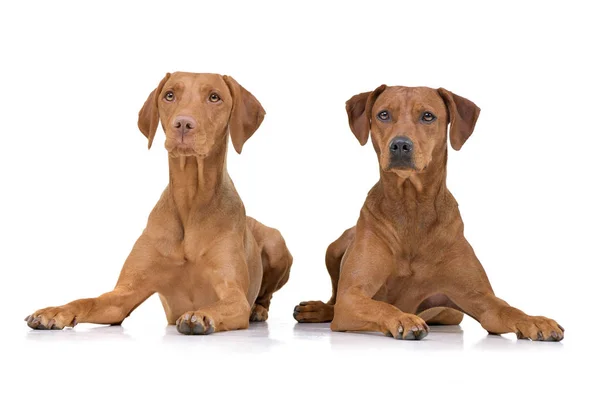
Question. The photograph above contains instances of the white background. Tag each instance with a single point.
(77, 184)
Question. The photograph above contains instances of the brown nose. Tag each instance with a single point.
(184, 124)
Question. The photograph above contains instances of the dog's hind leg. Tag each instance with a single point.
(442, 316)
(439, 310)
(317, 311)
(277, 262)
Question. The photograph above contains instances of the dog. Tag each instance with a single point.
(406, 263)
(214, 268)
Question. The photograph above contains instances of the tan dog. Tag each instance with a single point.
(214, 268)
(407, 255)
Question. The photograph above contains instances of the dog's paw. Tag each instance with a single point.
(408, 327)
(55, 318)
(539, 329)
(195, 323)
(313, 311)
(259, 313)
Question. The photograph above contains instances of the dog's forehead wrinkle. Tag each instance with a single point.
(195, 80)
(424, 106)
(408, 100)
(208, 87)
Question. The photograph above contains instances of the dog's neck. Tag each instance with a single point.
(407, 193)
(198, 181)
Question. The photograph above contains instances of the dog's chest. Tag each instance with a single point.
(409, 281)
(410, 266)
(191, 245)
(416, 260)
(190, 289)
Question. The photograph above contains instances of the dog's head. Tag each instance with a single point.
(197, 110)
(408, 124)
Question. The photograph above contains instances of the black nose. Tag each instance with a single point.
(401, 144)
(184, 124)
(401, 152)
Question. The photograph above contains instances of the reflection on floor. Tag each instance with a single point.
(276, 335)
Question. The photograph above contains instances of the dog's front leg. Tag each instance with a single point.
(135, 284)
(226, 272)
(467, 285)
(365, 269)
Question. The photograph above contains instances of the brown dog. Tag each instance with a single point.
(407, 255)
(214, 268)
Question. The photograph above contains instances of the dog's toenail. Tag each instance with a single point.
(194, 318)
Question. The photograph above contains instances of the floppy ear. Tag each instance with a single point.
(359, 109)
(463, 115)
(148, 116)
(246, 114)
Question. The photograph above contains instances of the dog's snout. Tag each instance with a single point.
(401, 152)
(184, 124)
(400, 145)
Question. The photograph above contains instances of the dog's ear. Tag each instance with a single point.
(246, 114)
(463, 115)
(359, 109)
(148, 116)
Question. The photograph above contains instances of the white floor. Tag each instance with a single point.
(280, 358)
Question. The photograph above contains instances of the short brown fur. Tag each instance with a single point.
(406, 263)
(215, 269)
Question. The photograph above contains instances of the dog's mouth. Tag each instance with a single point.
(184, 150)
(410, 167)
(407, 165)
(403, 165)
(178, 146)
(406, 170)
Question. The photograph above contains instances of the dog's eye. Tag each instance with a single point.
(383, 115)
(428, 117)
(169, 96)
(213, 98)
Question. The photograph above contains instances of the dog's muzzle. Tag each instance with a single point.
(401, 153)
